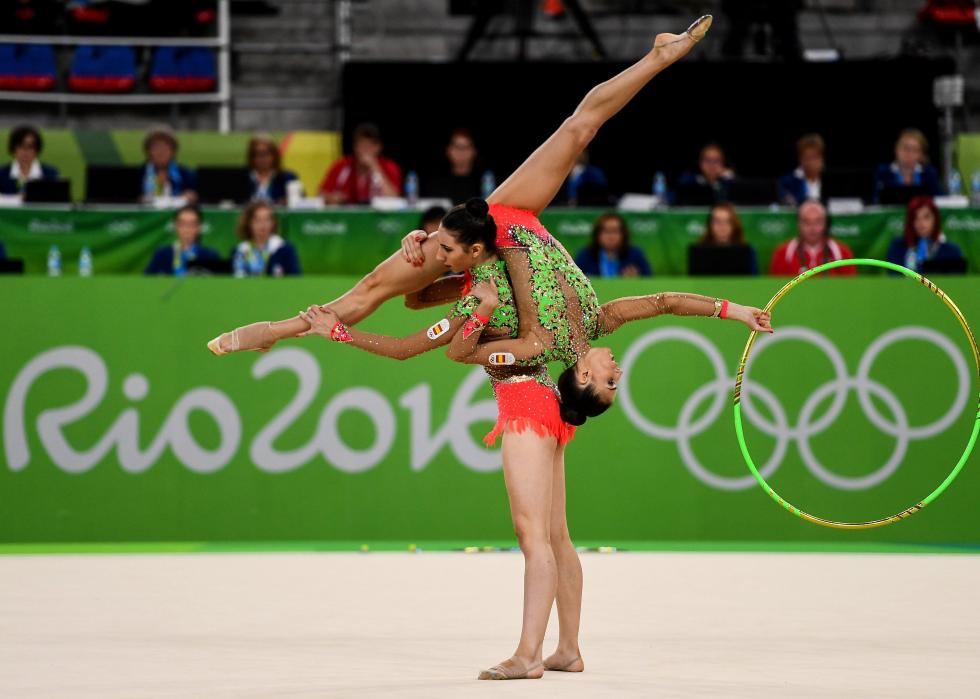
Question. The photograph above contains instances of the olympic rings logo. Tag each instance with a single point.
(807, 426)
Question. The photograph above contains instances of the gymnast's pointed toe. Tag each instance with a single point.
(699, 27)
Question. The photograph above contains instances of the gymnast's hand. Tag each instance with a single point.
(321, 320)
(755, 318)
(487, 293)
(412, 247)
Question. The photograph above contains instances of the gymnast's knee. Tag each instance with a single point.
(531, 535)
(560, 538)
(581, 128)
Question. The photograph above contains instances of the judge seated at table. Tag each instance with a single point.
(186, 252)
(24, 145)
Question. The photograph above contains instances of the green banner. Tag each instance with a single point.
(119, 426)
(353, 241)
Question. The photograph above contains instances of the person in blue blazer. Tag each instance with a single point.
(162, 175)
(610, 253)
(24, 145)
(262, 250)
(923, 239)
(177, 258)
(806, 181)
(910, 168)
(265, 171)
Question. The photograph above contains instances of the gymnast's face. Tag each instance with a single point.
(455, 255)
(599, 368)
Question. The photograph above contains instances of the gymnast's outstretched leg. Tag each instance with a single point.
(393, 277)
(534, 184)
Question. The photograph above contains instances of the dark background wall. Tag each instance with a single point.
(756, 110)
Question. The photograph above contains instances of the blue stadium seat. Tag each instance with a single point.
(27, 67)
(183, 69)
(103, 69)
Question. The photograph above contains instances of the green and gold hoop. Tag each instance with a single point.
(738, 394)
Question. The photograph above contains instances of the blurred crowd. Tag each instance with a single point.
(365, 174)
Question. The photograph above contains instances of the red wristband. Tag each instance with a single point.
(724, 309)
(340, 333)
(482, 319)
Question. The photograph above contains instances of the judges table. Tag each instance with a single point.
(352, 241)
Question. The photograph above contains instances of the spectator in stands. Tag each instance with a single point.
(162, 176)
(812, 247)
(587, 183)
(610, 253)
(262, 250)
(748, 18)
(724, 229)
(712, 178)
(910, 168)
(461, 181)
(806, 181)
(269, 180)
(356, 178)
(432, 219)
(186, 251)
(923, 239)
(25, 146)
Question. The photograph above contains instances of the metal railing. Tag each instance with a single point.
(221, 97)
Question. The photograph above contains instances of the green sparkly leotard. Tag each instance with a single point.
(558, 312)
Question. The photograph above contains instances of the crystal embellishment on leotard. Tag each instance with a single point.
(551, 267)
(438, 330)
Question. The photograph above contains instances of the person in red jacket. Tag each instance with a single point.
(363, 174)
(812, 247)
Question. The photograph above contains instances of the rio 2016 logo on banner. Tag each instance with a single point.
(467, 406)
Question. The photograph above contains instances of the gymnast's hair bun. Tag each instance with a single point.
(572, 416)
(472, 223)
(477, 208)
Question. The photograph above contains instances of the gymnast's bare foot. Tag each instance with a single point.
(564, 661)
(673, 47)
(257, 337)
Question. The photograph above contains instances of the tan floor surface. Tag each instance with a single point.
(403, 625)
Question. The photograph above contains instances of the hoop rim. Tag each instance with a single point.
(909, 511)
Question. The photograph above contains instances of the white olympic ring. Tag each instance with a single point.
(719, 389)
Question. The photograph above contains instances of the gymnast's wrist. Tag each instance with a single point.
(486, 308)
(724, 309)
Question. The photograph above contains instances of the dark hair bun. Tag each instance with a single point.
(477, 208)
(472, 223)
(572, 416)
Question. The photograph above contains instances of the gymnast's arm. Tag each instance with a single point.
(438, 293)
(471, 346)
(326, 324)
(614, 314)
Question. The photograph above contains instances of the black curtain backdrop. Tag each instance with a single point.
(757, 111)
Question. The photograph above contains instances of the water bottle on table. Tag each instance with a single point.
(954, 183)
(85, 262)
(412, 188)
(660, 188)
(488, 183)
(238, 265)
(54, 261)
